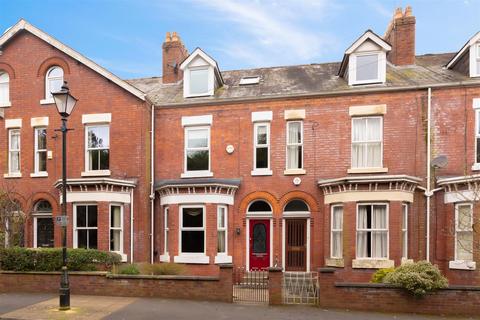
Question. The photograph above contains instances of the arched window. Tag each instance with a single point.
(259, 206)
(296, 206)
(53, 81)
(4, 88)
(42, 206)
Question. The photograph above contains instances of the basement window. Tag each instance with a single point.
(249, 80)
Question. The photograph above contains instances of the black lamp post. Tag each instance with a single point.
(65, 103)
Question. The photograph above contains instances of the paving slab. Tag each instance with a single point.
(83, 308)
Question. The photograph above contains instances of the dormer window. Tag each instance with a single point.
(199, 81)
(201, 75)
(469, 56)
(367, 67)
(478, 58)
(365, 61)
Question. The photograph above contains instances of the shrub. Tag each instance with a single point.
(380, 274)
(130, 269)
(418, 278)
(50, 259)
(161, 269)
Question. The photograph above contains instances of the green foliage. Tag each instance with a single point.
(50, 259)
(380, 274)
(130, 269)
(418, 278)
(161, 269)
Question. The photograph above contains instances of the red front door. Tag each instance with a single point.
(259, 244)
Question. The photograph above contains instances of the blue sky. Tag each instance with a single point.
(125, 36)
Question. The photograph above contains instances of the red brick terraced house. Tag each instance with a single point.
(353, 165)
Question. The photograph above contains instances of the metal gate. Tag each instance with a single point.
(250, 287)
(300, 288)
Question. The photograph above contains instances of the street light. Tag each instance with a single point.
(65, 103)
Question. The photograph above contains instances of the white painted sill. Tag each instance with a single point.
(197, 174)
(165, 258)
(192, 258)
(12, 175)
(367, 170)
(39, 175)
(47, 101)
(261, 172)
(97, 173)
(406, 260)
(462, 265)
(335, 262)
(291, 172)
(476, 167)
(223, 258)
(5, 104)
(372, 263)
(122, 255)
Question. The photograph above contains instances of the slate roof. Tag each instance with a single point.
(304, 80)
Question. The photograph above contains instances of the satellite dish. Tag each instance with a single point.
(439, 162)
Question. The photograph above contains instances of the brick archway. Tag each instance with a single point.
(299, 195)
(260, 195)
(50, 62)
(8, 69)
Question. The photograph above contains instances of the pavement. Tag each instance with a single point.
(45, 307)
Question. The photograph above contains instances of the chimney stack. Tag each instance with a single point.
(174, 52)
(401, 36)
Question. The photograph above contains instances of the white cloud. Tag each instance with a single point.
(272, 28)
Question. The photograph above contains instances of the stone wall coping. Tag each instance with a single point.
(390, 286)
(326, 270)
(275, 269)
(74, 273)
(162, 277)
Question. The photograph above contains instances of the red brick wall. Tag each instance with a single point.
(29, 58)
(213, 288)
(378, 298)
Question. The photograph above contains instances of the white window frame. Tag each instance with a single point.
(477, 59)
(457, 205)
(476, 164)
(297, 144)
(48, 94)
(5, 85)
(181, 229)
(37, 150)
(261, 171)
(366, 142)
(372, 230)
(336, 231)
(166, 229)
(405, 210)
(88, 149)
(197, 173)
(189, 82)
(381, 68)
(110, 228)
(75, 228)
(11, 151)
(223, 229)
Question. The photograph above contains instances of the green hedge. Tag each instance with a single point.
(24, 259)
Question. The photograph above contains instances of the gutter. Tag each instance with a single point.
(467, 83)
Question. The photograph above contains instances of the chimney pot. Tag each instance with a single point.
(168, 37)
(174, 52)
(175, 37)
(401, 36)
(398, 13)
(408, 11)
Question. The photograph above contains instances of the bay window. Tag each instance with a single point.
(165, 230)
(192, 229)
(367, 142)
(372, 231)
(464, 232)
(336, 247)
(222, 229)
(405, 231)
(116, 228)
(294, 145)
(85, 227)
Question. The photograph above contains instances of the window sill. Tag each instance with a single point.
(122, 255)
(97, 173)
(462, 265)
(291, 172)
(372, 263)
(261, 172)
(335, 262)
(199, 174)
(12, 175)
(406, 260)
(476, 167)
(192, 258)
(39, 175)
(165, 258)
(367, 170)
(222, 258)
(5, 104)
(47, 101)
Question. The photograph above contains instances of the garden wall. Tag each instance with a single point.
(456, 300)
(212, 288)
